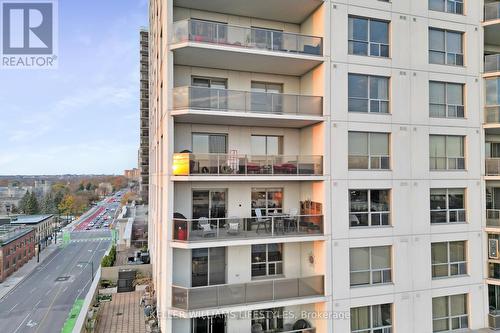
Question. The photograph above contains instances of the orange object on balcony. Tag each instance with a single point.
(181, 164)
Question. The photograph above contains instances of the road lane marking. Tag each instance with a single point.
(13, 308)
(49, 308)
(21, 324)
(48, 291)
(36, 305)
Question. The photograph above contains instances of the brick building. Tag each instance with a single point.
(17, 247)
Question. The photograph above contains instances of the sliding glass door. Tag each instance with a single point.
(209, 203)
(208, 266)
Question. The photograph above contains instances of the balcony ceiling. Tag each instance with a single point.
(247, 119)
(241, 59)
(492, 34)
(293, 11)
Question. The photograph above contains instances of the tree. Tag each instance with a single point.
(32, 206)
(88, 187)
(48, 205)
(67, 204)
(81, 187)
(24, 202)
(58, 197)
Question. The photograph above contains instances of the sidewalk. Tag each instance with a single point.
(12, 281)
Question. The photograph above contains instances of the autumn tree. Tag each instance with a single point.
(67, 205)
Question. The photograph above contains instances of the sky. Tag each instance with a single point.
(82, 118)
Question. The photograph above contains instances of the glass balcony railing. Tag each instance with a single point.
(492, 63)
(185, 164)
(493, 217)
(245, 293)
(277, 225)
(492, 11)
(494, 319)
(493, 166)
(250, 38)
(492, 114)
(244, 101)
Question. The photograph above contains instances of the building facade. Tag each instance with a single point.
(144, 116)
(17, 247)
(320, 165)
(44, 226)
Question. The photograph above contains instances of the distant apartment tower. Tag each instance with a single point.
(144, 116)
(319, 166)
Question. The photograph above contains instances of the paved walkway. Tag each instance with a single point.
(12, 281)
(122, 315)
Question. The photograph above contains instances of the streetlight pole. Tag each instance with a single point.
(91, 268)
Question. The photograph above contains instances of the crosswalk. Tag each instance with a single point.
(82, 240)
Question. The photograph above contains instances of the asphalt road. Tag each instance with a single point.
(42, 301)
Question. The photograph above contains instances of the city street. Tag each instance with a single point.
(43, 300)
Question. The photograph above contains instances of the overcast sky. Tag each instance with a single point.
(84, 116)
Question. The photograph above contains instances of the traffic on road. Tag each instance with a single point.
(43, 299)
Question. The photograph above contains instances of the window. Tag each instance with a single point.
(208, 93)
(446, 47)
(448, 6)
(204, 143)
(447, 205)
(267, 260)
(370, 265)
(446, 100)
(446, 152)
(369, 208)
(267, 97)
(267, 200)
(267, 145)
(209, 324)
(208, 266)
(268, 319)
(205, 82)
(368, 150)
(448, 259)
(449, 313)
(211, 204)
(372, 319)
(368, 37)
(368, 93)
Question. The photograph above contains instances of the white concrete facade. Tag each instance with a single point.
(175, 61)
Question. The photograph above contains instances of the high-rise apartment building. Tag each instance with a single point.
(318, 166)
(144, 116)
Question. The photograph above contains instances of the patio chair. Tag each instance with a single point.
(261, 221)
(292, 219)
(257, 328)
(206, 228)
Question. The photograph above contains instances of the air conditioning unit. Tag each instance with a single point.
(493, 248)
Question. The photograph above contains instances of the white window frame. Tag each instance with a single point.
(373, 271)
(450, 263)
(369, 212)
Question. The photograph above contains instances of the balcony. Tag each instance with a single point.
(197, 298)
(293, 11)
(493, 166)
(188, 164)
(235, 228)
(223, 46)
(221, 106)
